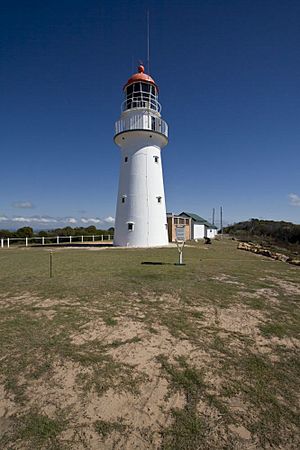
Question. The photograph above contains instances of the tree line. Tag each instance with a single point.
(66, 231)
(277, 231)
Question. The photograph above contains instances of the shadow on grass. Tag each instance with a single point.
(159, 263)
(156, 263)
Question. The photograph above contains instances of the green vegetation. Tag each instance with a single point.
(66, 231)
(268, 232)
(104, 428)
(39, 430)
(110, 349)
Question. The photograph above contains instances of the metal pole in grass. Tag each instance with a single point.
(180, 241)
(180, 245)
(51, 264)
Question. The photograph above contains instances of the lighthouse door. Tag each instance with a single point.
(152, 123)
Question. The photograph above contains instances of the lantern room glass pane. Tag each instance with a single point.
(145, 87)
(141, 95)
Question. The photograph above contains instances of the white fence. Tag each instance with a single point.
(44, 240)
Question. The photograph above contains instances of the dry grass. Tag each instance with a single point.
(115, 354)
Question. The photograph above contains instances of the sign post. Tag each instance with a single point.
(51, 264)
(180, 241)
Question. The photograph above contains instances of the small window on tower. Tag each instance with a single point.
(156, 158)
(126, 158)
(130, 226)
(159, 199)
(123, 198)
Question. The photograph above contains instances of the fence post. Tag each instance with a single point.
(7, 242)
(43, 240)
(70, 239)
(57, 239)
(2, 242)
(93, 238)
(26, 241)
(81, 238)
(108, 237)
(101, 237)
(51, 264)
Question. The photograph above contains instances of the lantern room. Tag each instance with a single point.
(141, 91)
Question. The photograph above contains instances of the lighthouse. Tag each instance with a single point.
(141, 133)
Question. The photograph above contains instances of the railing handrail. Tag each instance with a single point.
(60, 236)
(71, 238)
(137, 122)
(139, 103)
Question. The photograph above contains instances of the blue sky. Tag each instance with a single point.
(228, 73)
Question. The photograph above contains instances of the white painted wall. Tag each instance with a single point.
(211, 233)
(198, 231)
(141, 183)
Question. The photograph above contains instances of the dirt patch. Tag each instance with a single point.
(238, 319)
(7, 405)
(241, 431)
(50, 302)
(98, 330)
(288, 287)
(144, 414)
(143, 354)
(58, 391)
(265, 293)
(223, 278)
(237, 405)
(8, 409)
(25, 299)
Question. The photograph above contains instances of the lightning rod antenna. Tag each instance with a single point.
(148, 40)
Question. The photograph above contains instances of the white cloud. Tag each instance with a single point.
(23, 205)
(294, 199)
(109, 219)
(34, 219)
(48, 221)
(22, 219)
(91, 220)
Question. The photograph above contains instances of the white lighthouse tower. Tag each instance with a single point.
(141, 134)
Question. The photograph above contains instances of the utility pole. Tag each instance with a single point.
(213, 216)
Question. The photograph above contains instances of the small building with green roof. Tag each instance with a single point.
(200, 228)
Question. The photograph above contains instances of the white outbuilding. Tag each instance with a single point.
(200, 228)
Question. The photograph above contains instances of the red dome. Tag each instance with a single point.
(140, 76)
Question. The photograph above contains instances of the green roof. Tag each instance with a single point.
(198, 219)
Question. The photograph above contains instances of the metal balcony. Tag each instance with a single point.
(145, 102)
(142, 122)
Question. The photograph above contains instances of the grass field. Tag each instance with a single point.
(111, 353)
